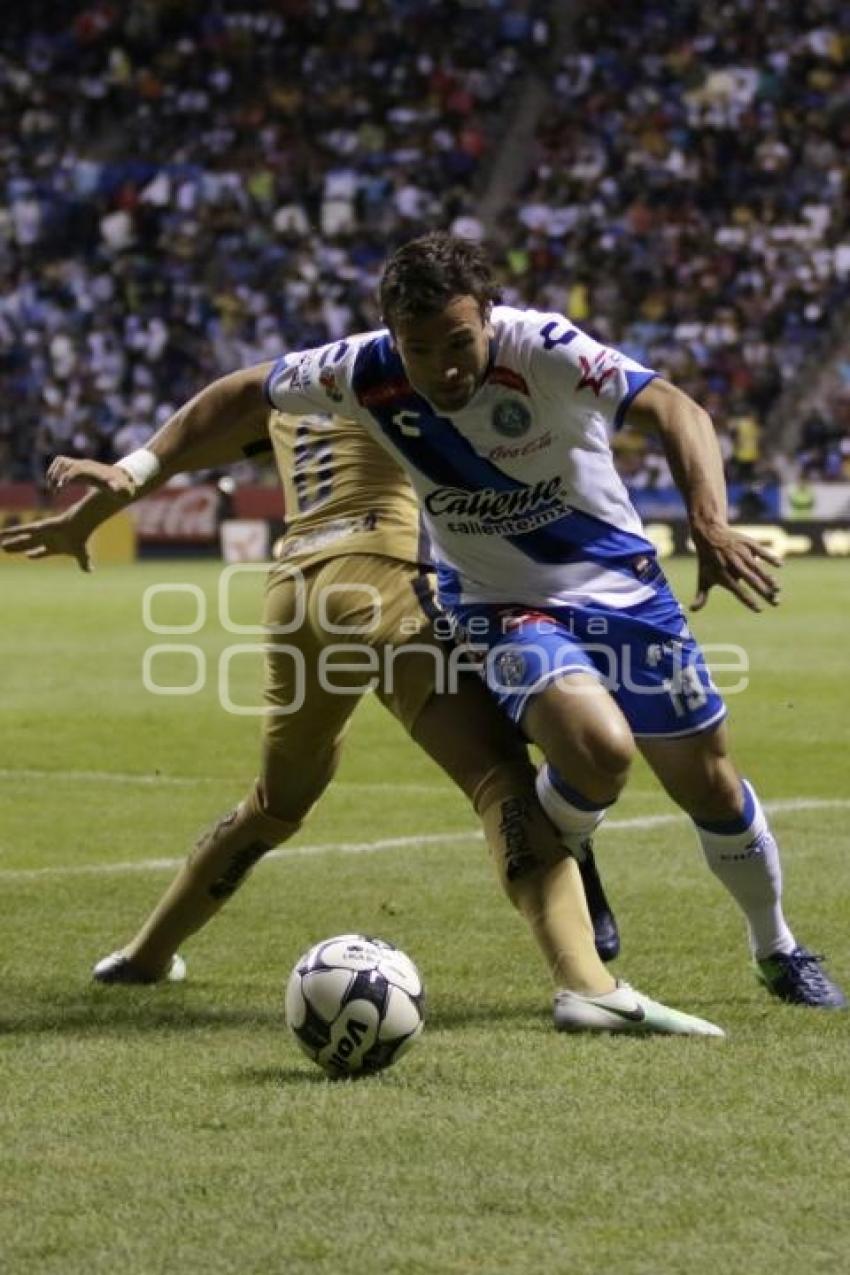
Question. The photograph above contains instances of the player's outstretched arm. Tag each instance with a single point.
(61, 534)
(216, 428)
(221, 425)
(726, 557)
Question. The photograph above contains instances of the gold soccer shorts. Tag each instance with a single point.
(335, 631)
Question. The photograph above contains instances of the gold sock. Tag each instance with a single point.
(214, 870)
(541, 883)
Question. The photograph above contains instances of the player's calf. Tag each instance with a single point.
(224, 856)
(539, 877)
(214, 871)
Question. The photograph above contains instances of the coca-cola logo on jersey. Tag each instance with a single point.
(505, 452)
(185, 513)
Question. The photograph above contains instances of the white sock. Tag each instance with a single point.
(575, 816)
(743, 855)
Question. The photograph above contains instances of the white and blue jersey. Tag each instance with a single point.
(519, 493)
(518, 489)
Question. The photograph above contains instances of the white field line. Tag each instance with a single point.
(13, 774)
(180, 781)
(391, 843)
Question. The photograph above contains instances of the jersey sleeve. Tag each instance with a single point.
(582, 375)
(316, 380)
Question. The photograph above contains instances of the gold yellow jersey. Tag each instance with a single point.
(343, 493)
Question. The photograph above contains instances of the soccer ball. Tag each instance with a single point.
(355, 1004)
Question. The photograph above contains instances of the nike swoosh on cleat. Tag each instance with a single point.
(636, 1015)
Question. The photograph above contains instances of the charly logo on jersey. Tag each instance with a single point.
(511, 418)
(489, 512)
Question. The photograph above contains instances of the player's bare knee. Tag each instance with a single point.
(584, 735)
(597, 762)
(603, 755)
(612, 750)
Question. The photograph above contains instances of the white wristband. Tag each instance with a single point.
(141, 465)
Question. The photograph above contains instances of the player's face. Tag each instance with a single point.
(445, 355)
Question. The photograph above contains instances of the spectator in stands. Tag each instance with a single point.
(689, 172)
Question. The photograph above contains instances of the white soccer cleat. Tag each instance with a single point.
(625, 1010)
(117, 968)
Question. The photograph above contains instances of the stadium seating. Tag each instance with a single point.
(190, 188)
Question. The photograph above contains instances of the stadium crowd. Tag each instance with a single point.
(688, 204)
(187, 188)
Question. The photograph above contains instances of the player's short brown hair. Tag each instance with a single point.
(423, 276)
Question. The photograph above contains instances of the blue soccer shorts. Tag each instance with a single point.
(644, 655)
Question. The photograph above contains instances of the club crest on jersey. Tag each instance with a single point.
(510, 668)
(511, 418)
(328, 382)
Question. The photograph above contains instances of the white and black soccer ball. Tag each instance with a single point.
(355, 1004)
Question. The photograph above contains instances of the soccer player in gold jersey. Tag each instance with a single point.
(352, 560)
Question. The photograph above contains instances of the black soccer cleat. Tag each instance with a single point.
(606, 934)
(798, 978)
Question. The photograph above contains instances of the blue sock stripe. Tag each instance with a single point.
(732, 827)
(749, 812)
(569, 794)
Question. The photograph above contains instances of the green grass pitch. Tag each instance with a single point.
(179, 1129)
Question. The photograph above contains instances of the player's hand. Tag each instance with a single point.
(65, 470)
(734, 561)
(46, 539)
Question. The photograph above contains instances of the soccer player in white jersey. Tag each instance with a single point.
(502, 419)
